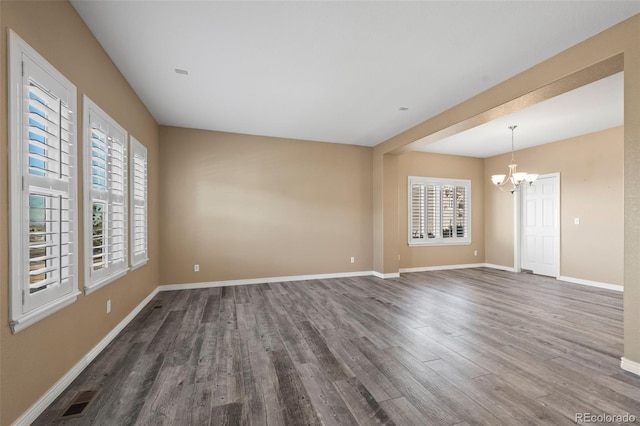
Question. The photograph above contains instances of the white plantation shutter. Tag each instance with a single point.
(433, 210)
(118, 194)
(43, 187)
(98, 244)
(105, 198)
(47, 184)
(139, 233)
(417, 212)
(447, 214)
(462, 228)
(439, 211)
(96, 195)
(98, 152)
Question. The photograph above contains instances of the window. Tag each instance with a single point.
(439, 211)
(105, 198)
(42, 174)
(138, 167)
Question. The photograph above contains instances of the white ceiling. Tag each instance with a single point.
(596, 106)
(337, 71)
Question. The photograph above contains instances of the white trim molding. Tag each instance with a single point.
(630, 366)
(43, 312)
(614, 287)
(88, 289)
(442, 267)
(501, 267)
(226, 283)
(385, 276)
(56, 390)
(517, 231)
(459, 266)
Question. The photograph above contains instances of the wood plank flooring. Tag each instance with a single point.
(463, 347)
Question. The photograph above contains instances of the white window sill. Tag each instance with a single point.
(90, 288)
(139, 264)
(42, 312)
(439, 242)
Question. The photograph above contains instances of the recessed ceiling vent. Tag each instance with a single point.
(79, 405)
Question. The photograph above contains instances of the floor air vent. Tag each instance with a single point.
(79, 405)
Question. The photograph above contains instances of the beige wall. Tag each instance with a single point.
(32, 360)
(390, 218)
(245, 206)
(591, 188)
(378, 214)
(498, 218)
(442, 166)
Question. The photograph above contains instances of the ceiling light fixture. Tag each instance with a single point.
(515, 177)
(183, 72)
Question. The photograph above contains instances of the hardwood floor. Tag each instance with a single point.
(463, 347)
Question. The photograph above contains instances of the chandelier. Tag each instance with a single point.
(516, 178)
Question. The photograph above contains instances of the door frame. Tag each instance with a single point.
(518, 231)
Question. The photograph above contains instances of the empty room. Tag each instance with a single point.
(319, 212)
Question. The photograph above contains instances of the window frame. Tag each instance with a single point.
(138, 149)
(95, 279)
(438, 240)
(25, 66)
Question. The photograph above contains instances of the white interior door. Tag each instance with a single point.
(541, 226)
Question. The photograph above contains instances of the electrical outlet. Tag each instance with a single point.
(475, 252)
(353, 259)
(576, 221)
(398, 257)
(109, 306)
(196, 268)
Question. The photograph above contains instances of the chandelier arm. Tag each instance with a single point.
(508, 177)
(504, 182)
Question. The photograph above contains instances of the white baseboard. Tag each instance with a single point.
(614, 287)
(630, 366)
(45, 400)
(442, 267)
(189, 286)
(500, 267)
(385, 276)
